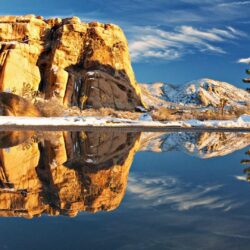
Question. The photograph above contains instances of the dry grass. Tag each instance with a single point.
(52, 108)
(111, 112)
(166, 114)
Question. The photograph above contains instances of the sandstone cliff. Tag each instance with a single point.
(64, 173)
(81, 64)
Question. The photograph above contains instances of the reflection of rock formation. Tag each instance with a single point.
(65, 174)
(202, 144)
(13, 138)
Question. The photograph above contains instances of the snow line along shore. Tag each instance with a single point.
(243, 122)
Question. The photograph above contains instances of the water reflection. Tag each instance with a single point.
(246, 162)
(63, 173)
(201, 144)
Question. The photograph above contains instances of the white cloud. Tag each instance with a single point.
(152, 42)
(244, 60)
(237, 32)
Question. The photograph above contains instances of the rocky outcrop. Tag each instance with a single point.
(64, 173)
(82, 64)
(14, 105)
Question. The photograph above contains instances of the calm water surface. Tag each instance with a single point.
(113, 190)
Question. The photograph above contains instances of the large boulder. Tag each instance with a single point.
(58, 56)
(14, 105)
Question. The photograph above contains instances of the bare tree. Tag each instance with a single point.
(223, 103)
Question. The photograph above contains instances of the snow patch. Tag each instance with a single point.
(145, 117)
(90, 73)
(145, 121)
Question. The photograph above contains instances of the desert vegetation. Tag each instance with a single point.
(211, 113)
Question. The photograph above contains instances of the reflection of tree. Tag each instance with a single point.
(246, 162)
(64, 173)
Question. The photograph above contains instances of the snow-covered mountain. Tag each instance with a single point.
(201, 92)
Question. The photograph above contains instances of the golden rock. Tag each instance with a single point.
(61, 57)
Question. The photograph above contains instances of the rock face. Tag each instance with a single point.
(81, 64)
(14, 105)
(65, 173)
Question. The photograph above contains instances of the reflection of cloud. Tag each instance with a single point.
(238, 3)
(241, 178)
(182, 196)
(152, 42)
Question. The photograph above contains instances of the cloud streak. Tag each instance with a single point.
(238, 3)
(150, 42)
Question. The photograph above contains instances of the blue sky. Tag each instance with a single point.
(170, 41)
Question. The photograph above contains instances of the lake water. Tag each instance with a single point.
(114, 190)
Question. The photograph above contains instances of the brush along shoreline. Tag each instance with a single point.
(78, 122)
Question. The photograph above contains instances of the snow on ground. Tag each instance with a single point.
(242, 122)
(155, 89)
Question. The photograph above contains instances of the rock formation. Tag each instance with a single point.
(64, 173)
(14, 105)
(82, 64)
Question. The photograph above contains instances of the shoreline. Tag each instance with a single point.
(73, 123)
(122, 129)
